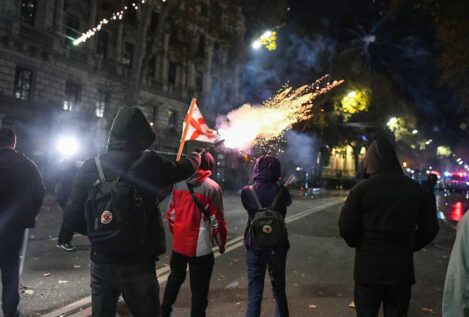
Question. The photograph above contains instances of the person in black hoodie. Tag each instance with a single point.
(386, 218)
(133, 276)
(21, 194)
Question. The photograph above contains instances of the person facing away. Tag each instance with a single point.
(21, 194)
(386, 218)
(130, 273)
(266, 173)
(456, 291)
(65, 177)
(194, 233)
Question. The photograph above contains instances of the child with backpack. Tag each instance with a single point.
(266, 238)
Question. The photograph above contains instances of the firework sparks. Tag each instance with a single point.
(249, 125)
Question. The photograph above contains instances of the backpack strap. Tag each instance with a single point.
(256, 198)
(279, 193)
(197, 202)
(99, 168)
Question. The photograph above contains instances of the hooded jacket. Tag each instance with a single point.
(193, 234)
(386, 218)
(21, 191)
(456, 291)
(266, 174)
(130, 135)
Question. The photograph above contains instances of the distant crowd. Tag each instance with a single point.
(114, 199)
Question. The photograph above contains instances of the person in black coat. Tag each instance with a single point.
(65, 178)
(21, 194)
(386, 218)
(133, 276)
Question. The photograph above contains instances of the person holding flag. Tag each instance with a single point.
(197, 222)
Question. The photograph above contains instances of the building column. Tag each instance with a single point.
(165, 62)
(208, 68)
(119, 40)
(48, 9)
(59, 21)
(93, 11)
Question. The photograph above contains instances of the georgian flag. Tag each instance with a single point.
(198, 130)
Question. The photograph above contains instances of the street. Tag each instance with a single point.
(319, 267)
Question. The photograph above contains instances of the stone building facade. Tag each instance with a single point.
(50, 88)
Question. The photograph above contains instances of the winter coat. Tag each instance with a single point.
(266, 174)
(21, 191)
(456, 292)
(193, 234)
(150, 173)
(386, 218)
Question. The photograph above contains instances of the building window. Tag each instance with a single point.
(201, 46)
(154, 21)
(216, 53)
(172, 73)
(128, 54)
(204, 9)
(23, 80)
(199, 82)
(28, 11)
(72, 29)
(72, 95)
(102, 103)
(102, 44)
(172, 119)
(151, 71)
(130, 16)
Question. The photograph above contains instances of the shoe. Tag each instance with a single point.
(67, 246)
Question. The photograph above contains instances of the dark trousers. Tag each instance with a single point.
(70, 225)
(274, 260)
(395, 299)
(11, 241)
(136, 282)
(200, 270)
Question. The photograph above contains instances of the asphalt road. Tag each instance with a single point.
(319, 267)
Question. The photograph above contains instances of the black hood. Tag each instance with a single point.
(267, 169)
(381, 158)
(9, 158)
(132, 128)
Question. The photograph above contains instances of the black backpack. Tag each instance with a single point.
(267, 226)
(115, 216)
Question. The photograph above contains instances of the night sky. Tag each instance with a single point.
(399, 46)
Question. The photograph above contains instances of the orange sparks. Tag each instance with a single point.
(247, 125)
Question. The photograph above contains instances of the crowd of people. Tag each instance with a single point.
(115, 197)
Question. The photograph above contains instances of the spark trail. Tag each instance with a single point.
(258, 124)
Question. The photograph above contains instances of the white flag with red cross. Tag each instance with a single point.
(198, 129)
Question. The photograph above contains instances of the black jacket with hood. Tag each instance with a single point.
(130, 135)
(386, 218)
(21, 191)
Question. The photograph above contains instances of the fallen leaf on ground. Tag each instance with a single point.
(427, 310)
(62, 282)
(352, 305)
(76, 266)
(46, 274)
(312, 306)
(29, 292)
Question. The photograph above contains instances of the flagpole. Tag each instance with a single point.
(186, 128)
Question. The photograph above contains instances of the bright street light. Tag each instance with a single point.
(68, 146)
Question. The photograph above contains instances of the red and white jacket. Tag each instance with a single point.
(193, 235)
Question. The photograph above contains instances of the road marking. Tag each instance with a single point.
(81, 308)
